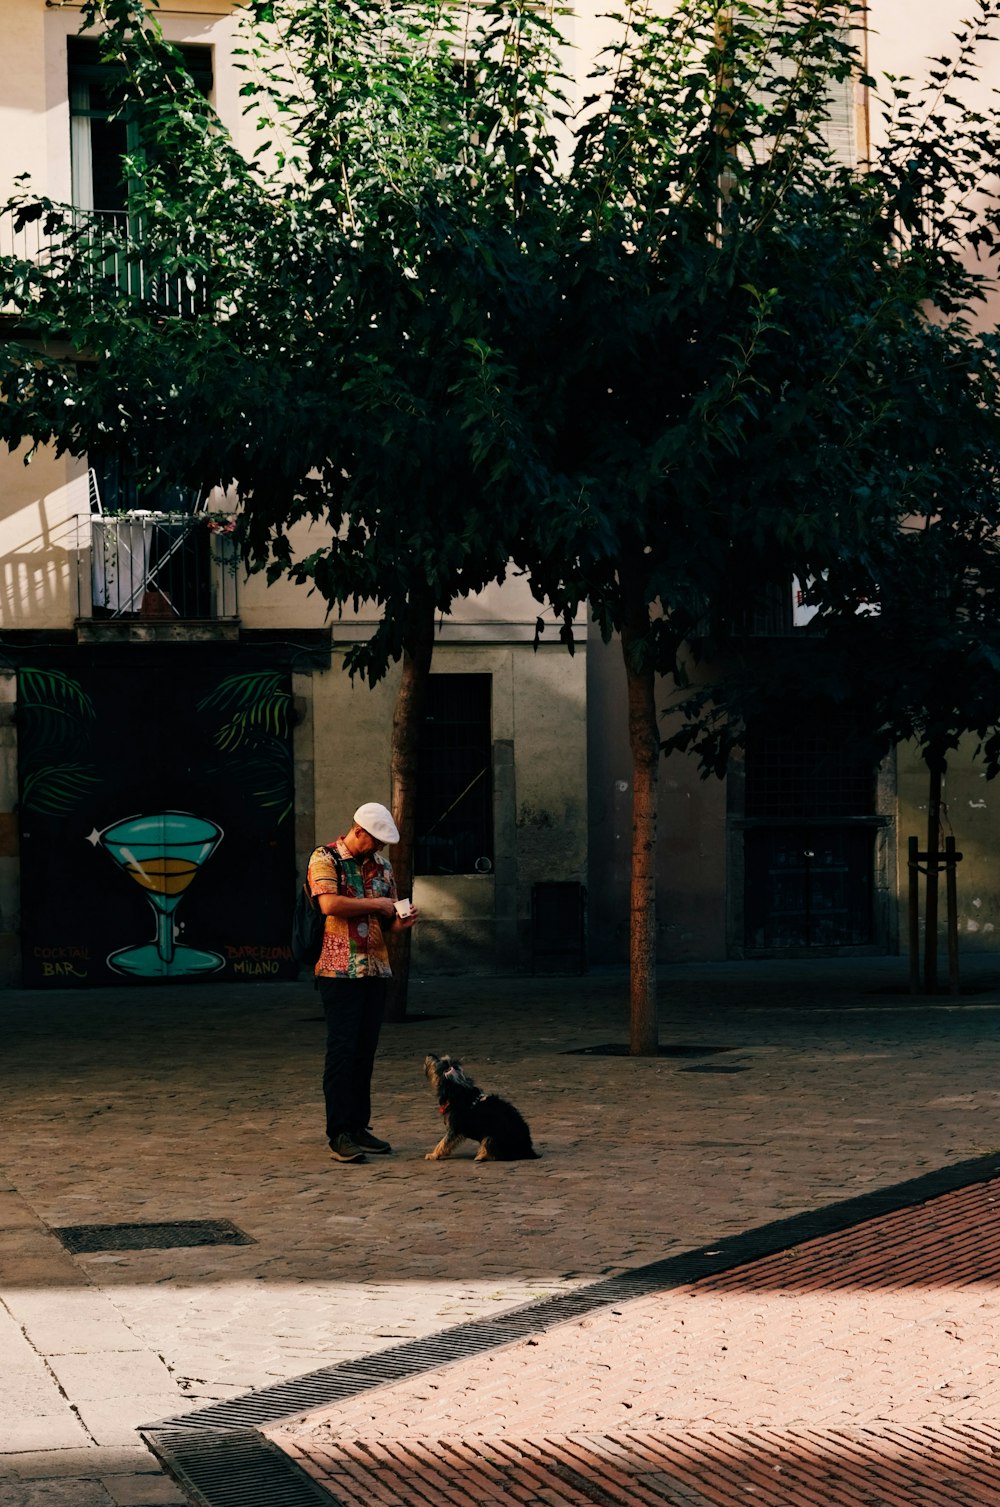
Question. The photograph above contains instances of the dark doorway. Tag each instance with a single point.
(809, 837)
(455, 777)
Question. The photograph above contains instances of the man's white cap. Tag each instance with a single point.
(378, 821)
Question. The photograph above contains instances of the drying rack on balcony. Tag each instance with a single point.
(159, 565)
(141, 587)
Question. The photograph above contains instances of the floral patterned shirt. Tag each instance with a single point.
(353, 946)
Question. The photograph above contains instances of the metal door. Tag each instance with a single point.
(156, 819)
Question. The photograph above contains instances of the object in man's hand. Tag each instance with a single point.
(403, 907)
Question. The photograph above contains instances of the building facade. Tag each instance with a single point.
(176, 736)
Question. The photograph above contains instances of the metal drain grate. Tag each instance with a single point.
(235, 1468)
(85, 1238)
(336, 1383)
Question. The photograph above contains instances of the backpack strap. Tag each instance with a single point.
(338, 863)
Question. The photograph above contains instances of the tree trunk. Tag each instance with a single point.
(936, 766)
(411, 700)
(644, 741)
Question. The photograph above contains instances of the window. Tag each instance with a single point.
(98, 143)
(154, 551)
(455, 777)
(800, 767)
(117, 486)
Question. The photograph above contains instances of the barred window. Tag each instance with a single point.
(455, 777)
(808, 768)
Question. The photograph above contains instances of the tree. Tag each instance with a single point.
(903, 644)
(921, 662)
(727, 404)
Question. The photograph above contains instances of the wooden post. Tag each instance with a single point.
(913, 915)
(951, 892)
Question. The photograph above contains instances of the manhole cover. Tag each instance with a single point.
(619, 1049)
(151, 1237)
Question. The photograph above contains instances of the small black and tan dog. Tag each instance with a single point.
(471, 1115)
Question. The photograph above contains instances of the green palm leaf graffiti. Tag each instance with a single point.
(52, 691)
(57, 769)
(258, 704)
(269, 777)
(254, 734)
(58, 789)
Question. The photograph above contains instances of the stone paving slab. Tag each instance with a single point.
(87, 1477)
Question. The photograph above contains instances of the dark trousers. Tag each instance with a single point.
(353, 1010)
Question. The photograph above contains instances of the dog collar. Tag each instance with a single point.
(444, 1108)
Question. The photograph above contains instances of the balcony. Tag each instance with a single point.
(160, 575)
(111, 246)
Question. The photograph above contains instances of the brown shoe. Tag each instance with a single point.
(343, 1148)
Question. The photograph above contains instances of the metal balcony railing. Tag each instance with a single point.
(111, 243)
(163, 566)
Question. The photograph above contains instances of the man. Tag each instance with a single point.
(356, 892)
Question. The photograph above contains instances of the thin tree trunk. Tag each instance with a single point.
(411, 700)
(936, 766)
(644, 742)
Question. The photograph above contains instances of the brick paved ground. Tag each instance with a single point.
(886, 1466)
(860, 1368)
(188, 1103)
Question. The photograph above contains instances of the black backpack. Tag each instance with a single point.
(309, 922)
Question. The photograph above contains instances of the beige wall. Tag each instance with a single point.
(903, 38)
(44, 547)
(904, 34)
(284, 604)
(478, 923)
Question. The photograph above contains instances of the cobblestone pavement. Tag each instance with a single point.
(184, 1103)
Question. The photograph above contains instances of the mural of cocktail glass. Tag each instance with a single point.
(162, 853)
